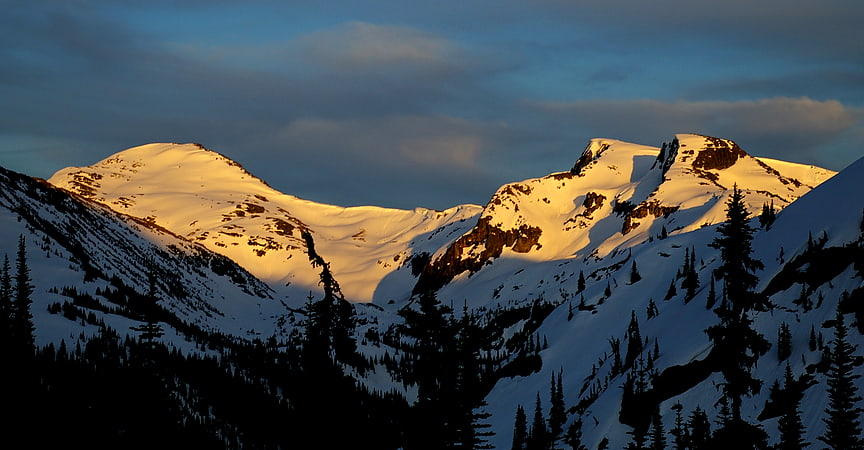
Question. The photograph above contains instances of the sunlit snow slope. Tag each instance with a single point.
(86, 247)
(618, 195)
(207, 198)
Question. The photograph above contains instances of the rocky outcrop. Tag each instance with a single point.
(475, 249)
(718, 154)
(642, 211)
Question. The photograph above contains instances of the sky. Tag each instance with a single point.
(425, 104)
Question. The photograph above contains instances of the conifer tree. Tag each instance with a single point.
(784, 342)
(766, 219)
(843, 421)
(434, 372)
(557, 413)
(468, 402)
(679, 431)
(699, 429)
(738, 267)
(520, 429)
(6, 306)
(658, 436)
(812, 341)
(685, 269)
(734, 338)
(712, 295)
(332, 319)
(538, 437)
(638, 439)
(634, 341)
(22, 318)
(616, 356)
(691, 277)
(634, 273)
(651, 310)
(573, 437)
(790, 426)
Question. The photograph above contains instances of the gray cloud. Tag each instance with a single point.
(795, 129)
(822, 28)
(405, 105)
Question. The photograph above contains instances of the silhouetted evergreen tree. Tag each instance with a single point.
(468, 413)
(634, 273)
(651, 310)
(580, 283)
(557, 413)
(634, 341)
(789, 424)
(679, 431)
(435, 373)
(658, 436)
(843, 421)
(784, 342)
(812, 341)
(691, 277)
(699, 430)
(768, 215)
(520, 429)
(538, 437)
(22, 318)
(638, 439)
(617, 366)
(736, 343)
(573, 437)
(712, 295)
(327, 348)
(6, 307)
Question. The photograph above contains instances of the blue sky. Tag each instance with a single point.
(432, 104)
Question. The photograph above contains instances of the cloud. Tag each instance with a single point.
(825, 29)
(398, 104)
(366, 46)
(436, 142)
(790, 128)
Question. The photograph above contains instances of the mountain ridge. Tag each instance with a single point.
(539, 316)
(260, 227)
(617, 195)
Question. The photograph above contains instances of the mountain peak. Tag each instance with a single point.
(211, 200)
(179, 166)
(616, 196)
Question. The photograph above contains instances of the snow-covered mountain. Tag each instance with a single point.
(82, 245)
(207, 198)
(229, 256)
(616, 196)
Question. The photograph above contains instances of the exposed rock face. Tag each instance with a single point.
(652, 207)
(474, 250)
(591, 152)
(718, 154)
